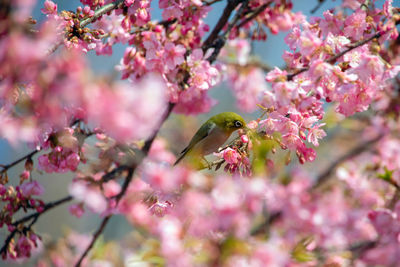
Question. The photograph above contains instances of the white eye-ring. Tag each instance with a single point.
(238, 124)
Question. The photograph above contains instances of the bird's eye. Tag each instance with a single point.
(238, 124)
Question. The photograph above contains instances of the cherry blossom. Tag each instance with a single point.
(332, 105)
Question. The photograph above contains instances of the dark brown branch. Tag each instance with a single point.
(231, 5)
(220, 41)
(34, 216)
(325, 176)
(145, 150)
(12, 164)
(46, 208)
(361, 247)
(335, 57)
(320, 2)
(253, 15)
(27, 156)
(94, 239)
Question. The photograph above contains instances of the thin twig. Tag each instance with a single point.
(35, 216)
(100, 12)
(27, 156)
(94, 239)
(12, 164)
(220, 41)
(256, 12)
(97, 14)
(230, 6)
(320, 2)
(145, 150)
(46, 208)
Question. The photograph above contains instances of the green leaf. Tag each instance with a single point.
(387, 175)
(233, 246)
(300, 253)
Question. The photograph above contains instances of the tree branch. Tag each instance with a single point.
(35, 216)
(253, 15)
(220, 41)
(100, 12)
(97, 14)
(27, 156)
(320, 2)
(145, 150)
(94, 239)
(230, 6)
(12, 164)
(46, 208)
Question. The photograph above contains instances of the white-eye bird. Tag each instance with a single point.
(212, 134)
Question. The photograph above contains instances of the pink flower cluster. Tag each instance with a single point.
(153, 52)
(25, 247)
(65, 154)
(353, 81)
(182, 217)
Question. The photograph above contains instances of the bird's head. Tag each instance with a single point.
(229, 121)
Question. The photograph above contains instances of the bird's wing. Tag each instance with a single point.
(201, 133)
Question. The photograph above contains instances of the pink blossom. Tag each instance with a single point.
(309, 42)
(50, 8)
(226, 195)
(237, 50)
(111, 188)
(292, 38)
(370, 68)
(244, 138)
(76, 210)
(355, 25)
(170, 12)
(159, 152)
(164, 178)
(171, 246)
(160, 209)
(90, 196)
(32, 188)
(316, 133)
(331, 24)
(25, 175)
(173, 55)
(337, 42)
(231, 156)
(248, 88)
(388, 8)
(24, 247)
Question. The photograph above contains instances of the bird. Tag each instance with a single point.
(212, 134)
